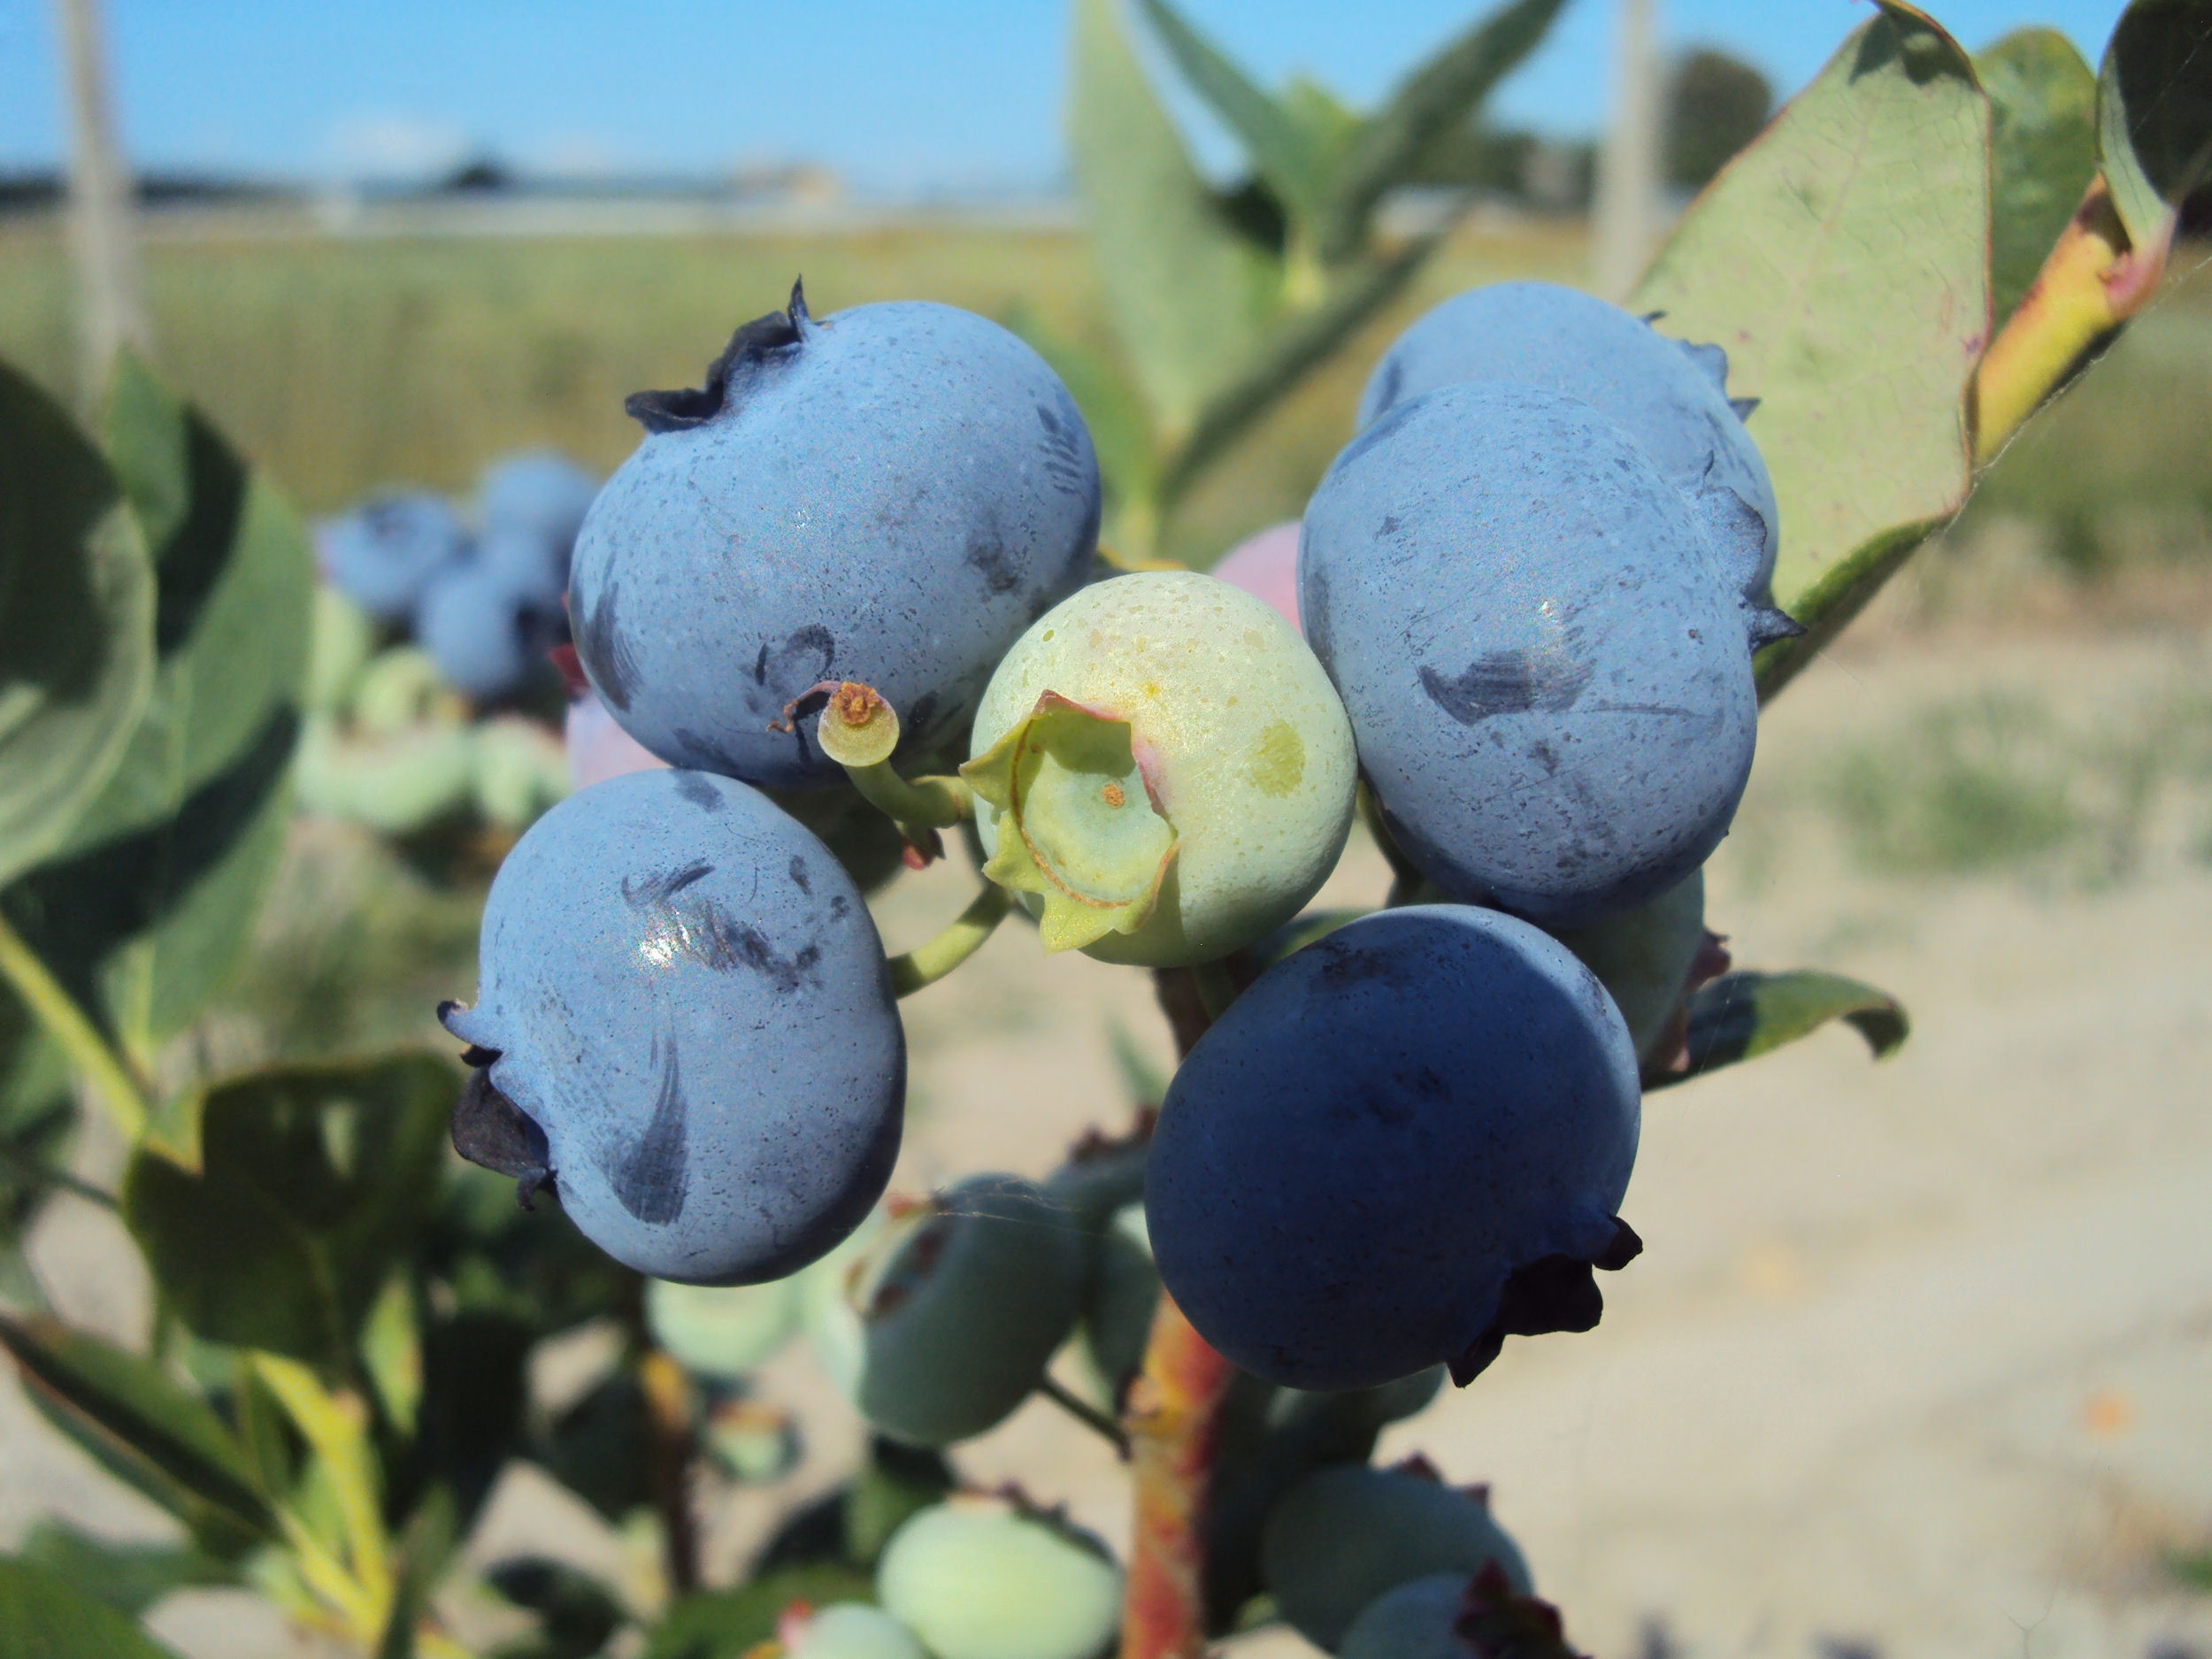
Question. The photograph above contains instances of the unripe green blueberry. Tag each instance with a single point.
(986, 1578)
(1413, 1621)
(722, 1331)
(961, 1304)
(340, 640)
(1162, 770)
(1343, 1537)
(1643, 958)
(850, 1630)
(1122, 1295)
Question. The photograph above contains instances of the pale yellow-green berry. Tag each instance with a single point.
(1217, 816)
(980, 1576)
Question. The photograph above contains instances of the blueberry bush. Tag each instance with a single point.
(848, 608)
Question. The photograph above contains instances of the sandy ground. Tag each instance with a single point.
(1918, 1359)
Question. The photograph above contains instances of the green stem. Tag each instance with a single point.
(931, 803)
(79, 1038)
(925, 964)
(1215, 989)
(1084, 1412)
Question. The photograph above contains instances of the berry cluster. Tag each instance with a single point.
(1530, 590)
(487, 604)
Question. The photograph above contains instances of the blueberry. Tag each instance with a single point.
(1265, 565)
(1546, 663)
(989, 1577)
(1400, 1145)
(1414, 1621)
(685, 1023)
(1120, 1299)
(539, 492)
(1643, 958)
(527, 566)
(961, 1304)
(1342, 1538)
(1213, 818)
(722, 1331)
(849, 1630)
(487, 640)
(385, 553)
(890, 495)
(1671, 398)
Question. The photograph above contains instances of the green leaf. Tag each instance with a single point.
(1290, 352)
(147, 909)
(578, 1614)
(130, 1578)
(1842, 261)
(38, 1120)
(391, 1353)
(1742, 1015)
(1188, 293)
(2043, 153)
(1436, 96)
(601, 1447)
(1285, 151)
(2155, 112)
(1114, 409)
(76, 624)
(424, 1552)
(724, 1624)
(313, 1181)
(145, 1428)
(42, 1614)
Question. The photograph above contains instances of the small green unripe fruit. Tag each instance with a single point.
(1162, 770)
(340, 640)
(961, 1303)
(1643, 958)
(722, 1331)
(1123, 1297)
(1343, 1537)
(1413, 1621)
(850, 1630)
(983, 1578)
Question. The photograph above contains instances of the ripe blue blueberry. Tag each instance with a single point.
(1400, 1145)
(684, 1023)
(385, 553)
(528, 510)
(1545, 658)
(486, 642)
(889, 495)
(1670, 396)
(538, 491)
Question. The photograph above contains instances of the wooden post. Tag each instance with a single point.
(111, 310)
(1625, 214)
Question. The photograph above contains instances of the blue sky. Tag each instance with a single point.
(900, 95)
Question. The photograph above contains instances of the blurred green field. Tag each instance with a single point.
(347, 364)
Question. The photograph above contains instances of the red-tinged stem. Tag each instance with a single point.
(1172, 1418)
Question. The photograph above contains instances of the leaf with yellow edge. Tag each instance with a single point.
(1076, 825)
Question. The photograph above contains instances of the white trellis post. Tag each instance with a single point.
(1625, 212)
(111, 308)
